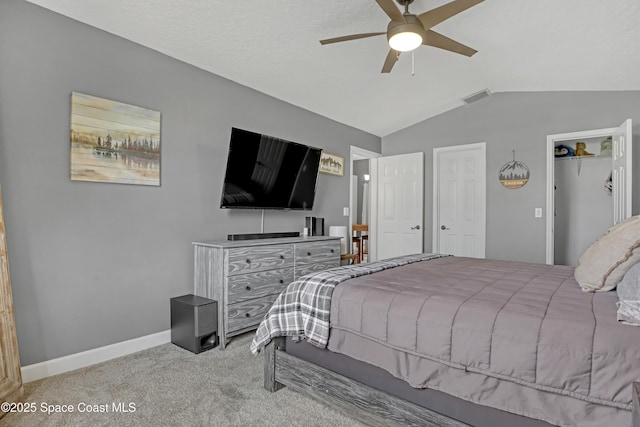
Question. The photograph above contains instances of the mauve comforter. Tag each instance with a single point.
(516, 336)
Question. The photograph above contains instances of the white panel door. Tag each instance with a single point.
(621, 153)
(459, 200)
(400, 185)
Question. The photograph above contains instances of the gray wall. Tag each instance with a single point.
(516, 121)
(94, 264)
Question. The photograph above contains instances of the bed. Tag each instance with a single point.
(449, 341)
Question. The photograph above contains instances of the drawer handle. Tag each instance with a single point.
(308, 253)
(281, 256)
(281, 281)
(247, 315)
(248, 288)
(248, 261)
(332, 250)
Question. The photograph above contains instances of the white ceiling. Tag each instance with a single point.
(272, 46)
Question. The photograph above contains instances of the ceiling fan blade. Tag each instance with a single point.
(438, 40)
(391, 10)
(350, 37)
(390, 61)
(435, 16)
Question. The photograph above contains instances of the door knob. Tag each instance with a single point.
(417, 227)
(442, 227)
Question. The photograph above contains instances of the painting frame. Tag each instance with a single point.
(113, 142)
(331, 164)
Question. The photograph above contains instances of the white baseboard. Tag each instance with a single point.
(91, 357)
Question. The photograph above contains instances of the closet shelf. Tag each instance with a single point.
(584, 157)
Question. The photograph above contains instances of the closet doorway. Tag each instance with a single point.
(588, 188)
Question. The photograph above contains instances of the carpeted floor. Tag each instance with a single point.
(170, 386)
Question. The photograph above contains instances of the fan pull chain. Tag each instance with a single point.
(413, 63)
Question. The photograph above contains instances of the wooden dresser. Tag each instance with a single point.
(246, 276)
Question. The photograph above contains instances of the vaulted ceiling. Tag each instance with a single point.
(273, 46)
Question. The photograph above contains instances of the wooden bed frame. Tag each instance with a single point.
(369, 405)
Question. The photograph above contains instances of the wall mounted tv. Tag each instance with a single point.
(264, 172)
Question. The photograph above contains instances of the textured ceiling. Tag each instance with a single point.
(272, 46)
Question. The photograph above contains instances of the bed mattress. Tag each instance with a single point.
(514, 336)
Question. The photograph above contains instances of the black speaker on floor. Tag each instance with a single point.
(194, 323)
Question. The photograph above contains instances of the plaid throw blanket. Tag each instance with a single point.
(302, 309)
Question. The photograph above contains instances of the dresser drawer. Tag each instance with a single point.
(309, 253)
(248, 313)
(259, 258)
(243, 287)
(312, 268)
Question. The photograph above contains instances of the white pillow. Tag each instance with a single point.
(606, 261)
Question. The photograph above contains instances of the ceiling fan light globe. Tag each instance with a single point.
(405, 41)
(405, 36)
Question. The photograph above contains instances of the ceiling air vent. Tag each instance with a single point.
(476, 96)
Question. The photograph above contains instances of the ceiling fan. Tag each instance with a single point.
(407, 31)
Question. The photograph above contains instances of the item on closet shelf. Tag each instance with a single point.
(605, 147)
(581, 149)
(563, 151)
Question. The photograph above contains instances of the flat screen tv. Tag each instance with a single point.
(264, 172)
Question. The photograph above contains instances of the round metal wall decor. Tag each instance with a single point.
(514, 174)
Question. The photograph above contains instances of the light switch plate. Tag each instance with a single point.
(538, 212)
(345, 211)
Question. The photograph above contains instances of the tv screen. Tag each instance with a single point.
(264, 172)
